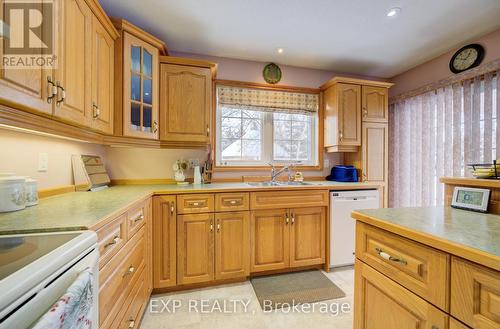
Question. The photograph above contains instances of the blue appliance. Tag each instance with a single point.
(343, 174)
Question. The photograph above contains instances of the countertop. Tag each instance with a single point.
(91, 210)
(470, 235)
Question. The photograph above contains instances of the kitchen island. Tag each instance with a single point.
(434, 267)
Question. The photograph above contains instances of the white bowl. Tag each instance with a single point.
(12, 193)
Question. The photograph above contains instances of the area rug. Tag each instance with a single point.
(283, 290)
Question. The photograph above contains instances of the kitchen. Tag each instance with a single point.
(185, 166)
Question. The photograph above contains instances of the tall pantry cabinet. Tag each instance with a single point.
(356, 123)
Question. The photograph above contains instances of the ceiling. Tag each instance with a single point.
(353, 36)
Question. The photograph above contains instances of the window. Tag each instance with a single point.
(438, 134)
(255, 135)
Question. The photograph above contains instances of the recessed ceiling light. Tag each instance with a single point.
(280, 50)
(393, 12)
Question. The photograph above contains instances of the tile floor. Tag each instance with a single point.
(204, 308)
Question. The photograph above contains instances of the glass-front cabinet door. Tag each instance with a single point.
(140, 74)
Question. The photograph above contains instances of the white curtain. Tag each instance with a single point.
(437, 134)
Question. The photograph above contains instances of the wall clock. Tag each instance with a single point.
(466, 58)
(272, 73)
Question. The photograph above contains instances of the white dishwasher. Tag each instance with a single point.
(343, 227)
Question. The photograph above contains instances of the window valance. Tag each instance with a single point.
(267, 100)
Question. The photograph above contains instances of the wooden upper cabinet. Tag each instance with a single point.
(383, 304)
(195, 248)
(140, 88)
(375, 152)
(102, 105)
(270, 240)
(307, 236)
(164, 241)
(136, 81)
(375, 104)
(232, 245)
(24, 88)
(72, 76)
(186, 100)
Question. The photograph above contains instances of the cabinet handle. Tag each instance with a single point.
(96, 112)
(364, 177)
(341, 135)
(138, 218)
(434, 327)
(130, 270)
(293, 218)
(131, 324)
(365, 112)
(208, 131)
(115, 240)
(387, 256)
(63, 93)
(218, 226)
(287, 219)
(155, 126)
(51, 89)
(172, 208)
(211, 226)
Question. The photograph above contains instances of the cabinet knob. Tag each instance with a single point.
(96, 112)
(62, 95)
(130, 270)
(365, 112)
(341, 135)
(172, 208)
(208, 131)
(211, 226)
(51, 89)
(115, 240)
(293, 218)
(131, 324)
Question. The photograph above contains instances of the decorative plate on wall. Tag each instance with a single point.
(272, 73)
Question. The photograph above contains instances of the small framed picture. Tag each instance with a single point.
(468, 198)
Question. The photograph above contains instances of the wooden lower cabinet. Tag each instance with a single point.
(232, 245)
(307, 236)
(381, 303)
(195, 248)
(270, 240)
(454, 324)
(164, 242)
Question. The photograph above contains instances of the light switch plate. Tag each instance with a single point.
(43, 162)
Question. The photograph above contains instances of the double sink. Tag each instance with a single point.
(270, 183)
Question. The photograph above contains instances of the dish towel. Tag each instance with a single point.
(72, 310)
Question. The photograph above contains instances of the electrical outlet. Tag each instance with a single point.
(43, 162)
(193, 163)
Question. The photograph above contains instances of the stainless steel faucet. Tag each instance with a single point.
(275, 174)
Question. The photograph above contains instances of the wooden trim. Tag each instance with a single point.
(255, 85)
(190, 62)
(357, 82)
(123, 25)
(143, 181)
(51, 191)
(464, 181)
(103, 18)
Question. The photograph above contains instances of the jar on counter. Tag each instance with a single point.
(12, 193)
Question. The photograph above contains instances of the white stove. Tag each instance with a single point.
(37, 269)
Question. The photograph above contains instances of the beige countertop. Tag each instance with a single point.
(471, 235)
(90, 210)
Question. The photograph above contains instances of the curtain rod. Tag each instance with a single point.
(479, 71)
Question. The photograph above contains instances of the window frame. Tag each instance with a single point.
(246, 166)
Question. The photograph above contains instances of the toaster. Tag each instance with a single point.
(343, 174)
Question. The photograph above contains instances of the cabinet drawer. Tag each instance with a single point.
(419, 268)
(117, 277)
(130, 314)
(111, 238)
(195, 203)
(231, 202)
(287, 199)
(475, 294)
(136, 217)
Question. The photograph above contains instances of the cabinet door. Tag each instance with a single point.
(186, 97)
(195, 248)
(375, 152)
(74, 62)
(102, 78)
(140, 88)
(270, 240)
(307, 236)
(454, 324)
(375, 104)
(380, 303)
(232, 240)
(349, 98)
(164, 242)
(24, 88)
